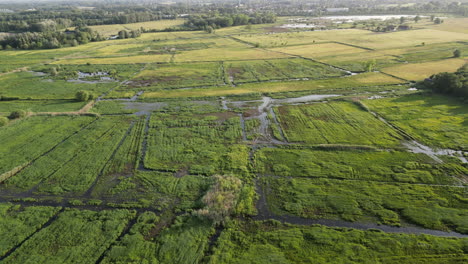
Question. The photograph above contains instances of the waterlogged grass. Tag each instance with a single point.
(17, 223)
(420, 71)
(273, 242)
(386, 166)
(75, 237)
(200, 144)
(334, 123)
(178, 75)
(434, 120)
(332, 85)
(27, 139)
(26, 85)
(431, 207)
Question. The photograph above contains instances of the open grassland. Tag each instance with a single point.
(273, 242)
(300, 38)
(430, 52)
(334, 123)
(331, 85)
(420, 71)
(435, 120)
(433, 207)
(357, 62)
(253, 71)
(458, 25)
(178, 75)
(386, 166)
(200, 145)
(29, 138)
(87, 154)
(17, 223)
(41, 106)
(119, 60)
(81, 236)
(319, 50)
(184, 242)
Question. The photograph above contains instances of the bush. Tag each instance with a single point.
(83, 96)
(17, 114)
(457, 53)
(3, 121)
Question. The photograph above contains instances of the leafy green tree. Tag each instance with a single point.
(417, 18)
(457, 53)
(370, 65)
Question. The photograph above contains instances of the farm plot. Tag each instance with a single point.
(360, 82)
(75, 237)
(334, 123)
(177, 76)
(252, 71)
(27, 85)
(17, 223)
(199, 144)
(358, 165)
(272, 242)
(435, 120)
(432, 207)
(430, 52)
(153, 58)
(26, 140)
(420, 71)
(74, 164)
(320, 50)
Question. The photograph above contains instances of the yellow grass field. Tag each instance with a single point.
(319, 50)
(420, 71)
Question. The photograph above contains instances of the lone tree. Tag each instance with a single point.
(417, 18)
(457, 53)
(83, 96)
(17, 114)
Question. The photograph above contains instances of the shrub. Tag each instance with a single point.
(17, 114)
(3, 121)
(83, 96)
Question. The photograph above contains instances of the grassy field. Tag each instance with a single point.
(319, 50)
(420, 71)
(334, 123)
(394, 166)
(385, 203)
(273, 242)
(331, 85)
(436, 120)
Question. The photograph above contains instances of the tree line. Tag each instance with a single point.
(217, 20)
(50, 39)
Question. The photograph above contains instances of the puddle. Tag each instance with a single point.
(416, 147)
